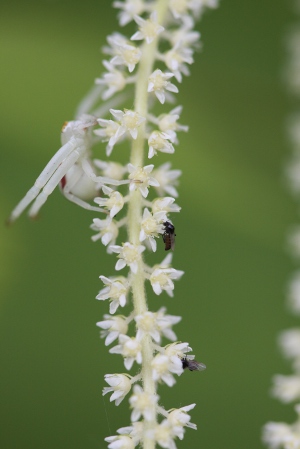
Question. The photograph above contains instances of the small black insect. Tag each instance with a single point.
(192, 365)
(169, 236)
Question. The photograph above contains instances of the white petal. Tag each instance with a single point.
(120, 264)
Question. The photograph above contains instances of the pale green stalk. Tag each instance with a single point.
(135, 207)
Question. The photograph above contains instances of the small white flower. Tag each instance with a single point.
(161, 279)
(107, 230)
(148, 29)
(179, 418)
(151, 227)
(128, 255)
(116, 290)
(143, 404)
(176, 58)
(177, 350)
(294, 241)
(163, 434)
(114, 80)
(147, 324)
(129, 8)
(163, 366)
(114, 203)
(135, 431)
(120, 442)
(120, 385)
(140, 179)
(185, 34)
(165, 205)
(129, 121)
(124, 53)
(112, 170)
(159, 82)
(275, 434)
(286, 388)
(181, 8)
(294, 293)
(167, 179)
(159, 141)
(113, 326)
(167, 123)
(108, 133)
(130, 349)
(289, 342)
(165, 322)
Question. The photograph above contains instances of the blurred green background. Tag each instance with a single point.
(230, 234)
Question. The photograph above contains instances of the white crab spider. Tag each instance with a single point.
(70, 168)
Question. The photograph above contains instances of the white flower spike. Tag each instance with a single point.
(148, 29)
(159, 83)
(132, 204)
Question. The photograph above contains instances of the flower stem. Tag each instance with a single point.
(135, 209)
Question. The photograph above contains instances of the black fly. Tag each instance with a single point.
(169, 236)
(192, 365)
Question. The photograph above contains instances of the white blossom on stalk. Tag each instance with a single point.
(129, 9)
(143, 404)
(279, 435)
(123, 52)
(114, 80)
(185, 34)
(116, 290)
(165, 322)
(293, 294)
(140, 179)
(167, 123)
(135, 431)
(128, 255)
(112, 170)
(159, 83)
(120, 385)
(148, 29)
(108, 133)
(106, 229)
(120, 442)
(286, 388)
(180, 8)
(176, 60)
(163, 435)
(163, 368)
(161, 279)
(179, 418)
(114, 203)
(289, 342)
(151, 227)
(129, 121)
(130, 348)
(159, 141)
(294, 241)
(113, 326)
(147, 324)
(166, 205)
(167, 179)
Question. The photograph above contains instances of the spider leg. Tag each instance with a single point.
(54, 180)
(66, 191)
(43, 178)
(100, 179)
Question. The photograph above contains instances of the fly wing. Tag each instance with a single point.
(172, 238)
(193, 365)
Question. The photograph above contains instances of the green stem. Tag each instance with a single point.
(135, 207)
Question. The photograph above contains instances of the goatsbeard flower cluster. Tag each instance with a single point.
(286, 388)
(138, 196)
